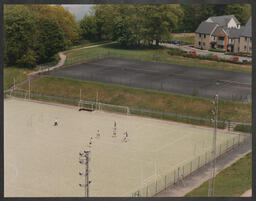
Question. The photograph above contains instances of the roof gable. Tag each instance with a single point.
(206, 27)
(248, 29)
(223, 20)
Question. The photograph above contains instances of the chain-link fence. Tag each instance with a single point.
(178, 174)
(123, 109)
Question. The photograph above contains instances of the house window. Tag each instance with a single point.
(238, 49)
(245, 38)
(245, 47)
(204, 35)
(200, 35)
(203, 43)
(250, 39)
(199, 43)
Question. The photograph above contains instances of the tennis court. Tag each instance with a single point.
(42, 160)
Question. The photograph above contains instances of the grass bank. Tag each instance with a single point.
(140, 98)
(11, 73)
(231, 182)
(155, 55)
(187, 38)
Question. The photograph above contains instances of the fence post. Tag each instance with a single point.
(165, 182)
(190, 167)
(174, 177)
(178, 174)
(198, 161)
(205, 158)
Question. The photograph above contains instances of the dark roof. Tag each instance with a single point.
(223, 20)
(248, 29)
(235, 33)
(218, 29)
(205, 27)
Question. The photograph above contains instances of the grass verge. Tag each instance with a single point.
(231, 182)
(11, 73)
(243, 128)
(187, 38)
(140, 98)
(155, 55)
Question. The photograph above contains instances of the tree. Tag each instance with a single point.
(20, 26)
(62, 17)
(50, 40)
(88, 28)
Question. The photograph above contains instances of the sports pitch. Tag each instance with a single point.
(163, 77)
(42, 160)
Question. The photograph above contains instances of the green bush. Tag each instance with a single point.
(176, 51)
(216, 50)
(243, 128)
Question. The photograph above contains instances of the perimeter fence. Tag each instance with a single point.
(123, 109)
(177, 175)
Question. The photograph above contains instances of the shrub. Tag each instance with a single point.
(243, 128)
(216, 50)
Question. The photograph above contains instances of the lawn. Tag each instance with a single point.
(155, 55)
(140, 98)
(231, 182)
(11, 73)
(187, 38)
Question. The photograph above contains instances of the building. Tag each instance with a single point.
(224, 33)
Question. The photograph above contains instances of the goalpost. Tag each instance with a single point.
(26, 93)
(113, 108)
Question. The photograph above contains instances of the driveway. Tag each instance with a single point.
(203, 52)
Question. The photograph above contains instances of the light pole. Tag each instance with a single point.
(213, 154)
(84, 160)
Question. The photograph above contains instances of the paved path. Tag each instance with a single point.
(203, 52)
(247, 193)
(63, 59)
(59, 64)
(202, 175)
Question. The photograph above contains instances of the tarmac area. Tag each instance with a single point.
(179, 79)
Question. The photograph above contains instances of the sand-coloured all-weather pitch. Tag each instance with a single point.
(163, 77)
(41, 159)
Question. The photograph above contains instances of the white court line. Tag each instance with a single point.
(163, 147)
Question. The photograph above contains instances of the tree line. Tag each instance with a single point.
(33, 34)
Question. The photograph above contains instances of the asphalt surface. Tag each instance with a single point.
(164, 77)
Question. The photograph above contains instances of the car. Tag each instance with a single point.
(177, 42)
(192, 52)
(235, 58)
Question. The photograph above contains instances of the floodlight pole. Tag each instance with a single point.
(84, 159)
(213, 162)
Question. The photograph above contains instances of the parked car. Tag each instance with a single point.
(177, 42)
(192, 52)
(235, 58)
(215, 56)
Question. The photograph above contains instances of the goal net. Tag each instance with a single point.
(86, 105)
(113, 108)
(23, 93)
